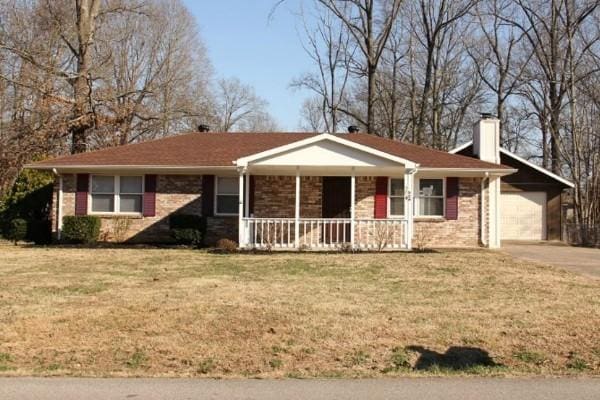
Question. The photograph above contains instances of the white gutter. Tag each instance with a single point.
(126, 166)
(495, 171)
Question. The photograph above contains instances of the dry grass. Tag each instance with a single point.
(127, 312)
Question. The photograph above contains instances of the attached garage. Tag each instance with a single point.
(523, 216)
(530, 200)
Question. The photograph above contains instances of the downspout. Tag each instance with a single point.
(483, 219)
(59, 210)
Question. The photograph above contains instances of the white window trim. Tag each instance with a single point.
(389, 199)
(417, 191)
(116, 194)
(215, 197)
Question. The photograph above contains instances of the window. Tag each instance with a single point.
(117, 194)
(431, 197)
(396, 191)
(227, 196)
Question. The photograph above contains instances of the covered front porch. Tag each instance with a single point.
(323, 194)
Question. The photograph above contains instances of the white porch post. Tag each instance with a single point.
(59, 211)
(494, 213)
(297, 210)
(409, 187)
(241, 235)
(352, 208)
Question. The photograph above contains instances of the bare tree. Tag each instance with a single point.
(498, 62)
(544, 26)
(370, 24)
(330, 48)
(435, 19)
(311, 113)
(237, 104)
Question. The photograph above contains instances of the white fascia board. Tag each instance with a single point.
(520, 159)
(153, 168)
(538, 168)
(483, 171)
(460, 148)
(244, 161)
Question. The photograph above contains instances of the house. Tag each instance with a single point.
(531, 200)
(291, 190)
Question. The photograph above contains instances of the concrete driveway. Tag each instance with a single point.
(580, 260)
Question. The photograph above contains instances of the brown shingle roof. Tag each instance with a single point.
(222, 149)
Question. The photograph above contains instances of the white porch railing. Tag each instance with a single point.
(324, 233)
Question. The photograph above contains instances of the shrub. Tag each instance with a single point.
(186, 221)
(187, 229)
(29, 198)
(120, 227)
(81, 229)
(227, 245)
(39, 231)
(187, 236)
(17, 230)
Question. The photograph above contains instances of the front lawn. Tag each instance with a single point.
(164, 312)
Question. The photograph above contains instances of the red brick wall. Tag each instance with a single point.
(275, 197)
(462, 232)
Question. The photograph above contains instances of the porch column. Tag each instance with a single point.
(59, 211)
(409, 183)
(297, 210)
(494, 212)
(352, 208)
(241, 236)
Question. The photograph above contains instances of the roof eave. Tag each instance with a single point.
(483, 171)
(128, 167)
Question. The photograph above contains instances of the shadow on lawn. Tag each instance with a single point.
(455, 358)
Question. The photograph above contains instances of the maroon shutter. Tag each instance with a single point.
(208, 195)
(149, 206)
(451, 198)
(81, 195)
(381, 194)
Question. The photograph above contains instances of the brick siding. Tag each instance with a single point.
(275, 198)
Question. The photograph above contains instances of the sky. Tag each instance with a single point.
(265, 53)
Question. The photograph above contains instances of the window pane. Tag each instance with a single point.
(103, 203)
(431, 206)
(431, 187)
(227, 204)
(397, 206)
(227, 186)
(397, 187)
(130, 203)
(103, 184)
(131, 184)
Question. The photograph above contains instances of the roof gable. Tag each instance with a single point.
(325, 150)
(466, 149)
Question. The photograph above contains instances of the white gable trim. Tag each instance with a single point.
(538, 168)
(244, 161)
(460, 148)
(524, 161)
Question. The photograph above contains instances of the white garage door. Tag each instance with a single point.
(523, 216)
